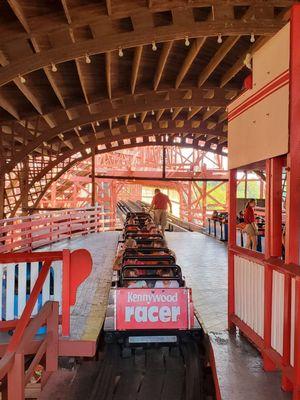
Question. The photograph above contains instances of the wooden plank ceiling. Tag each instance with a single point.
(80, 74)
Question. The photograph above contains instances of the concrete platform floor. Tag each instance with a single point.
(88, 313)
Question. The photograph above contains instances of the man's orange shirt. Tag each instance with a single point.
(160, 201)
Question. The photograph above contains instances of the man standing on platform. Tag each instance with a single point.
(160, 204)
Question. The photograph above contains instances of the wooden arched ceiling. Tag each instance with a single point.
(63, 82)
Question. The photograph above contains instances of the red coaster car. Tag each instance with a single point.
(150, 304)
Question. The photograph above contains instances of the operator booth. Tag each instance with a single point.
(264, 135)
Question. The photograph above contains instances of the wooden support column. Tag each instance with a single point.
(189, 201)
(292, 239)
(24, 186)
(272, 247)
(53, 194)
(164, 162)
(246, 184)
(93, 180)
(204, 202)
(231, 242)
(2, 195)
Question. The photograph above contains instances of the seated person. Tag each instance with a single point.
(131, 220)
(132, 228)
(166, 284)
(130, 243)
(118, 260)
(136, 284)
(158, 243)
(214, 215)
(134, 273)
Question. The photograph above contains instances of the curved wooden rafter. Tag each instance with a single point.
(109, 43)
(134, 105)
(86, 152)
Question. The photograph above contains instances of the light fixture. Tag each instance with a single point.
(87, 59)
(167, 138)
(187, 42)
(97, 123)
(252, 38)
(220, 40)
(116, 119)
(53, 67)
(121, 54)
(154, 47)
(248, 61)
(134, 115)
(171, 110)
(152, 112)
(79, 128)
(208, 108)
(22, 79)
(190, 108)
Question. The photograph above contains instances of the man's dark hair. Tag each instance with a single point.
(157, 190)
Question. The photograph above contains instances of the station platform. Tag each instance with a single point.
(87, 315)
(204, 265)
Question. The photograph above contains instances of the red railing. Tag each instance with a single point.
(31, 232)
(278, 286)
(12, 364)
(69, 271)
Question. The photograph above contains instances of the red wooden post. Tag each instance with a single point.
(66, 294)
(267, 362)
(276, 165)
(286, 384)
(93, 202)
(52, 343)
(204, 201)
(296, 393)
(70, 224)
(293, 182)
(16, 378)
(232, 242)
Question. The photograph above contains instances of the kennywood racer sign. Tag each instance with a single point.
(152, 308)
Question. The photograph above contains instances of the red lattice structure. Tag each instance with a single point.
(187, 171)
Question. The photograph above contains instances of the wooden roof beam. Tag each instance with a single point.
(7, 106)
(239, 64)
(108, 114)
(217, 59)
(193, 112)
(161, 63)
(108, 73)
(19, 13)
(25, 90)
(223, 117)
(108, 7)
(66, 11)
(143, 116)
(135, 67)
(81, 80)
(50, 77)
(159, 114)
(176, 111)
(192, 54)
(27, 64)
(208, 113)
